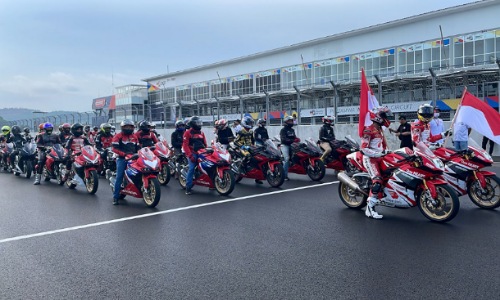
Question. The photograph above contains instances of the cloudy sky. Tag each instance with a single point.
(60, 54)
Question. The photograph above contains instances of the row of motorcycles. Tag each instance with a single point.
(432, 178)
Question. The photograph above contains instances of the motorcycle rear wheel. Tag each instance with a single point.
(488, 200)
(351, 198)
(92, 183)
(152, 195)
(164, 175)
(317, 171)
(276, 178)
(225, 185)
(446, 207)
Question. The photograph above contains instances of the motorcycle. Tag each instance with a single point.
(162, 151)
(25, 160)
(464, 171)
(55, 162)
(85, 166)
(107, 161)
(337, 160)
(305, 159)
(410, 178)
(213, 170)
(7, 149)
(176, 162)
(140, 178)
(265, 163)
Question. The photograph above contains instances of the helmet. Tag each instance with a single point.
(261, 122)
(247, 122)
(113, 128)
(425, 113)
(328, 120)
(86, 128)
(145, 126)
(127, 126)
(288, 120)
(6, 130)
(16, 129)
(48, 127)
(180, 126)
(221, 124)
(66, 127)
(60, 127)
(26, 130)
(106, 127)
(77, 129)
(40, 127)
(195, 123)
(380, 115)
(96, 128)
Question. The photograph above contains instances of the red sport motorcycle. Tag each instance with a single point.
(55, 162)
(265, 163)
(140, 178)
(305, 159)
(337, 160)
(85, 167)
(162, 151)
(213, 170)
(464, 171)
(411, 178)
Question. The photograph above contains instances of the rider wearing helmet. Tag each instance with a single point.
(193, 140)
(124, 143)
(224, 134)
(65, 132)
(186, 122)
(145, 136)
(18, 140)
(104, 137)
(74, 144)
(177, 135)
(421, 130)
(287, 137)
(113, 129)
(373, 147)
(326, 136)
(260, 134)
(245, 139)
(3, 139)
(27, 135)
(47, 139)
(86, 131)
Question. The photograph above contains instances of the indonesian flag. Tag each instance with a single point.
(479, 116)
(367, 102)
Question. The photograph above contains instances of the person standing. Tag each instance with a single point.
(193, 140)
(437, 125)
(403, 133)
(461, 133)
(485, 142)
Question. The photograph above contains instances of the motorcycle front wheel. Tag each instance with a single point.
(317, 171)
(28, 169)
(164, 175)
(441, 209)
(489, 198)
(92, 183)
(152, 194)
(59, 176)
(350, 197)
(225, 185)
(276, 178)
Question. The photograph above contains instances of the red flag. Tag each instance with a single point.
(479, 116)
(367, 102)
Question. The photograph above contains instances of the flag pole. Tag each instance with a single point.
(456, 113)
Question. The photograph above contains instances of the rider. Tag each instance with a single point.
(224, 133)
(287, 138)
(3, 139)
(27, 135)
(193, 140)
(373, 147)
(421, 130)
(326, 136)
(245, 139)
(43, 140)
(65, 132)
(113, 129)
(18, 140)
(124, 143)
(145, 136)
(104, 137)
(74, 145)
(177, 135)
(260, 133)
(153, 130)
(86, 130)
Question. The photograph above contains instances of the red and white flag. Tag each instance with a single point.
(479, 116)
(367, 102)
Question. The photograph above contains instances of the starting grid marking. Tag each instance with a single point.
(73, 228)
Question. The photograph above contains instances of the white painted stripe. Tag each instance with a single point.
(28, 236)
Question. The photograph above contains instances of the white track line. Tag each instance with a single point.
(28, 236)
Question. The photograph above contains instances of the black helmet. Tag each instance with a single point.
(126, 126)
(195, 123)
(26, 130)
(106, 128)
(145, 126)
(95, 128)
(77, 129)
(261, 122)
(86, 128)
(15, 129)
(425, 113)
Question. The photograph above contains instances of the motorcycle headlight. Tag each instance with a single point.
(438, 163)
(487, 156)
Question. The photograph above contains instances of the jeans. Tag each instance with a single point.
(121, 164)
(190, 173)
(285, 150)
(460, 145)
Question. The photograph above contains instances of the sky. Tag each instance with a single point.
(61, 54)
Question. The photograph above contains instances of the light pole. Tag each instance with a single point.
(434, 91)
(379, 88)
(88, 117)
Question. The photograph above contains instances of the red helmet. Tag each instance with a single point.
(66, 125)
(221, 124)
(380, 115)
(40, 127)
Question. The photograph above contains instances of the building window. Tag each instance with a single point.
(268, 81)
(242, 85)
(201, 91)
(183, 93)
(220, 88)
(298, 75)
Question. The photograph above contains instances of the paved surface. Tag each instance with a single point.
(296, 243)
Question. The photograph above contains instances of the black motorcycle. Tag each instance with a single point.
(25, 160)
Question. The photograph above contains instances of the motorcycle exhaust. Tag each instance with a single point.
(342, 176)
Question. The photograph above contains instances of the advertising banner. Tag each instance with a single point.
(104, 103)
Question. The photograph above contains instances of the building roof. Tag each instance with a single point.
(378, 27)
